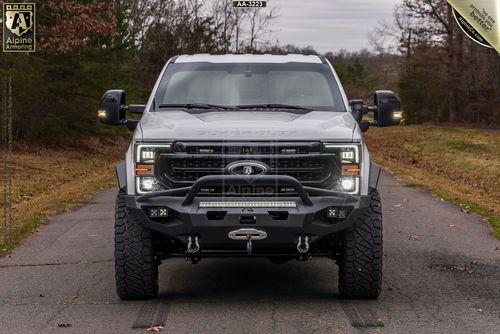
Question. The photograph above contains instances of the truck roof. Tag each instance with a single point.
(248, 58)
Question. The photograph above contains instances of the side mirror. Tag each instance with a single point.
(113, 109)
(388, 108)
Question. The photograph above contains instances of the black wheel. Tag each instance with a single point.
(360, 268)
(136, 269)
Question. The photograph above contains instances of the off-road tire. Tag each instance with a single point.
(360, 267)
(136, 269)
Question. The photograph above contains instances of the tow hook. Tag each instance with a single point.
(247, 234)
(303, 248)
(190, 247)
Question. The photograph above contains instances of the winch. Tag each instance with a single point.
(247, 234)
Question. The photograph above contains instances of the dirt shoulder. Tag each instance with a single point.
(47, 181)
(458, 164)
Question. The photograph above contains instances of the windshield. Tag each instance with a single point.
(312, 86)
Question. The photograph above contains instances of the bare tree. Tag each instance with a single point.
(259, 23)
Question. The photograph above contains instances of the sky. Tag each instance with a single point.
(328, 25)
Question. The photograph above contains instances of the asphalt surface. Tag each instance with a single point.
(441, 275)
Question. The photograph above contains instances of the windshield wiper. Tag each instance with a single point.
(197, 106)
(273, 106)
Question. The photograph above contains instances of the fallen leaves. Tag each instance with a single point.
(463, 268)
(433, 157)
(413, 238)
(464, 208)
(155, 329)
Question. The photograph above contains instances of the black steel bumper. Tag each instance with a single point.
(283, 226)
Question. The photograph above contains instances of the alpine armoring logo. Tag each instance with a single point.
(19, 27)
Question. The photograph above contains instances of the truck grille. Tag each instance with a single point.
(303, 161)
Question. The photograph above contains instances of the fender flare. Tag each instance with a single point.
(121, 175)
(374, 175)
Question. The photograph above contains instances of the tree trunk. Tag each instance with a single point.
(452, 68)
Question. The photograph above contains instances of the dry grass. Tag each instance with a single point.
(458, 164)
(49, 181)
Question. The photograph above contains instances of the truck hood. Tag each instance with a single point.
(246, 125)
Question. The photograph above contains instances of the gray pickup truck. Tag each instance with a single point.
(248, 156)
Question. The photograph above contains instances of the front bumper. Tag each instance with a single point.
(212, 226)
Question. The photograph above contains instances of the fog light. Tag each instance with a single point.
(157, 212)
(338, 213)
(331, 212)
(163, 212)
(153, 212)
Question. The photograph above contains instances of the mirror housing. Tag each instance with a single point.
(388, 108)
(113, 109)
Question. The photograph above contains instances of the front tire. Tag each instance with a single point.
(360, 268)
(136, 269)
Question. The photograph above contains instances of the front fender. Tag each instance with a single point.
(121, 175)
(374, 175)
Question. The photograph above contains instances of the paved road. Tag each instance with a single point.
(442, 275)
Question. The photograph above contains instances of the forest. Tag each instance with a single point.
(439, 74)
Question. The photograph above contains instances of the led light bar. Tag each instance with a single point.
(248, 204)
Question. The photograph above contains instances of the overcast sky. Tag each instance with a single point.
(329, 25)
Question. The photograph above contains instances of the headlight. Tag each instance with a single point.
(348, 153)
(146, 156)
(350, 170)
(147, 153)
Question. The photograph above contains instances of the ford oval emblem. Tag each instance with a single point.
(247, 168)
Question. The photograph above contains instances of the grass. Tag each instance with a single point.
(50, 181)
(458, 164)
